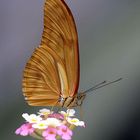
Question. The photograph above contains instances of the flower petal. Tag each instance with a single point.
(40, 125)
(45, 111)
(50, 133)
(53, 122)
(50, 137)
(66, 137)
(24, 133)
(64, 132)
(70, 112)
(17, 132)
(25, 115)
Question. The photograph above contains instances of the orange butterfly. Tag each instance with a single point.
(51, 76)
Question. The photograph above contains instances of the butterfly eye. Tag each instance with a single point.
(80, 99)
(79, 102)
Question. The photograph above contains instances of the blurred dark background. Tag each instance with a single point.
(109, 42)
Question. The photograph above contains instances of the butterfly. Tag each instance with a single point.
(51, 75)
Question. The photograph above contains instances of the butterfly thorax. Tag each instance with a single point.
(72, 101)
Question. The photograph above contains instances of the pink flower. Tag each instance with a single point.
(56, 115)
(64, 132)
(50, 133)
(25, 129)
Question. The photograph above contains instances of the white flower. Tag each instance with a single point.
(76, 122)
(53, 122)
(45, 111)
(69, 113)
(31, 118)
(40, 125)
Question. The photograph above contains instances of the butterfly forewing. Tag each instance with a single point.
(53, 69)
(60, 34)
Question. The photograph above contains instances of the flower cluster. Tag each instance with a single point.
(48, 125)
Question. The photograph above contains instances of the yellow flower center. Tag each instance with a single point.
(41, 125)
(74, 120)
(33, 120)
(45, 113)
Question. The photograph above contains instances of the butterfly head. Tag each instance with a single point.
(80, 99)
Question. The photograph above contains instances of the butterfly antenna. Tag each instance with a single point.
(92, 88)
(102, 84)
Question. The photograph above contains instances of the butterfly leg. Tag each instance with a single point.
(54, 106)
(58, 109)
